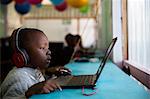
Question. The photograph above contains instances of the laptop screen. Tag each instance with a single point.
(107, 53)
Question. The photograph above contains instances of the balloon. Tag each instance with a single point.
(57, 2)
(39, 5)
(34, 2)
(20, 1)
(4, 2)
(77, 3)
(85, 9)
(23, 8)
(61, 7)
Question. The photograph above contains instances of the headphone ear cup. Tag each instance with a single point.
(20, 58)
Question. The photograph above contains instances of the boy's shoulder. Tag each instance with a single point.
(22, 70)
(20, 73)
(26, 76)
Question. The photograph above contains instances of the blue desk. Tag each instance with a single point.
(112, 84)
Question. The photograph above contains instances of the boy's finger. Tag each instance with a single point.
(45, 90)
(58, 86)
(53, 85)
(49, 87)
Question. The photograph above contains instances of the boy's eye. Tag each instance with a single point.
(42, 48)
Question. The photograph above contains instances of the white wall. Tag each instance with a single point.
(54, 29)
(88, 32)
(117, 30)
(13, 19)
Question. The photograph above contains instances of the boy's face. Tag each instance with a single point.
(38, 50)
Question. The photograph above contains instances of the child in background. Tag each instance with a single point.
(31, 56)
(73, 49)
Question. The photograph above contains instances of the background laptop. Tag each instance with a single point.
(87, 81)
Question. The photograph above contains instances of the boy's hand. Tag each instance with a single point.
(50, 85)
(43, 87)
(58, 71)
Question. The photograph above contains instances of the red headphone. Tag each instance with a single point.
(20, 57)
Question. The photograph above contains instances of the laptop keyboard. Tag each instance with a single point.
(82, 80)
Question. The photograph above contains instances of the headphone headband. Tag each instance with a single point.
(17, 38)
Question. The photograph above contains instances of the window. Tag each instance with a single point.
(139, 33)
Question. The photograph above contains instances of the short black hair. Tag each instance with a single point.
(69, 39)
(23, 36)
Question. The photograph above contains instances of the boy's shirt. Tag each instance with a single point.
(18, 81)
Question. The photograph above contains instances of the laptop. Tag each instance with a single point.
(87, 81)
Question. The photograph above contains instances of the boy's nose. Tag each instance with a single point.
(48, 52)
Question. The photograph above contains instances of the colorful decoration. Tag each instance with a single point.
(77, 3)
(23, 8)
(61, 7)
(19, 1)
(35, 2)
(39, 5)
(4, 2)
(57, 2)
(85, 9)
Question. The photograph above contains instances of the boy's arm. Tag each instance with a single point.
(42, 87)
(35, 89)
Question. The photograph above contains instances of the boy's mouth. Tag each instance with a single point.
(48, 60)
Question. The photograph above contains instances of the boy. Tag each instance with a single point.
(31, 56)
